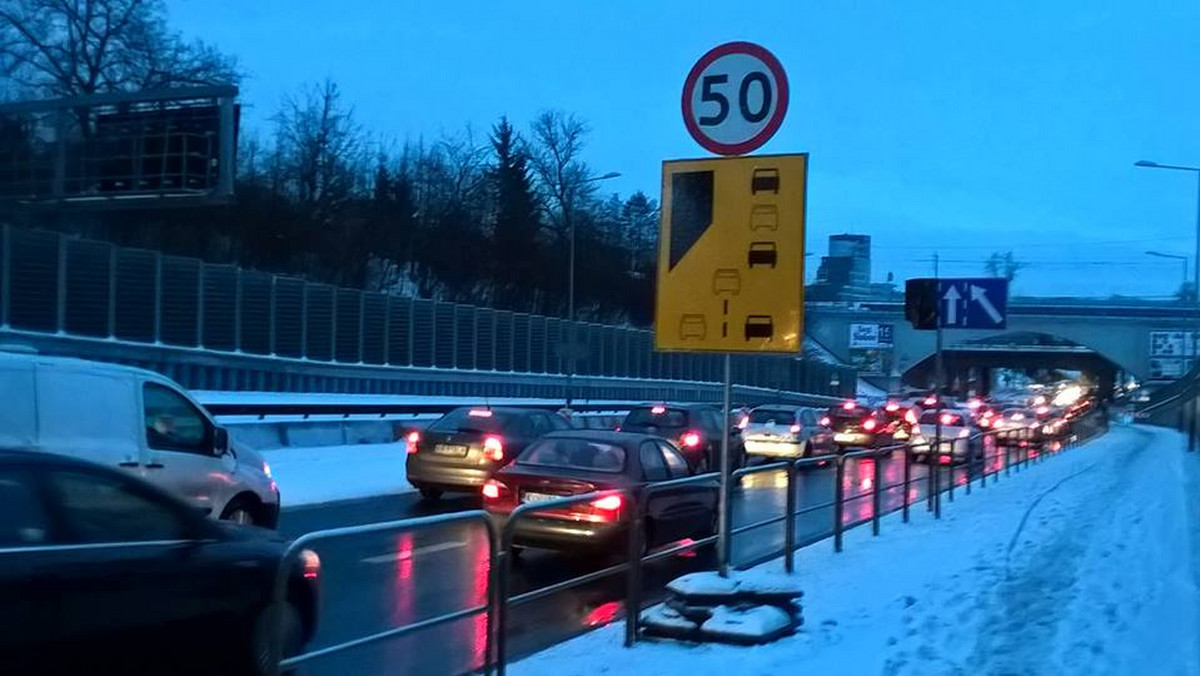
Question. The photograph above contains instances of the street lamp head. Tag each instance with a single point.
(1145, 163)
(611, 174)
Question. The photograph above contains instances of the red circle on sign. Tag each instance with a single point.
(781, 84)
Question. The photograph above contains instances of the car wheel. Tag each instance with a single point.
(431, 494)
(291, 636)
(240, 510)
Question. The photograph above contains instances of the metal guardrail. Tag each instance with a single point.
(501, 539)
(406, 525)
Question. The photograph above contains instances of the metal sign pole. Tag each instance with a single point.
(723, 508)
(723, 524)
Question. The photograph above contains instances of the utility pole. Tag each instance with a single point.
(939, 380)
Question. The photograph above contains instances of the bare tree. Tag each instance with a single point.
(326, 157)
(84, 47)
(557, 149)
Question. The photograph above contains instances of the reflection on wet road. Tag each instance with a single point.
(373, 583)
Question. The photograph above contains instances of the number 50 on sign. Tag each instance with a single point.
(735, 98)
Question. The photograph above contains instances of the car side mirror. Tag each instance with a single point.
(220, 441)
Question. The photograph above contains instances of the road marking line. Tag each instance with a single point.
(406, 554)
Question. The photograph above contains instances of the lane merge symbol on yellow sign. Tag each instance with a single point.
(731, 255)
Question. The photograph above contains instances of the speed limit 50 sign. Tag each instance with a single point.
(735, 98)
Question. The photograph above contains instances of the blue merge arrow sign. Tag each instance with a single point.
(973, 303)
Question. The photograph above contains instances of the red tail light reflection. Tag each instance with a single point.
(491, 490)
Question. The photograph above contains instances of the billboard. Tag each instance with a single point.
(872, 336)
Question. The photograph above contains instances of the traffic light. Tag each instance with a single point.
(921, 303)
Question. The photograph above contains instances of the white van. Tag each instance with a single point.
(136, 420)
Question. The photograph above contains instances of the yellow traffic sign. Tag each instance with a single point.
(731, 255)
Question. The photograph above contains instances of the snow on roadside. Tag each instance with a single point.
(327, 473)
(1081, 565)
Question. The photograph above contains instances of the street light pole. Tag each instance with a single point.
(1183, 260)
(1146, 164)
(569, 219)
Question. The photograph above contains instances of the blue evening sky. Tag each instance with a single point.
(960, 127)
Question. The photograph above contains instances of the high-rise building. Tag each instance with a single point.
(845, 274)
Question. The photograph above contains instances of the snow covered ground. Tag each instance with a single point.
(1085, 564)
(326, 473)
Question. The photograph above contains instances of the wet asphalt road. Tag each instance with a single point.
(373, 583)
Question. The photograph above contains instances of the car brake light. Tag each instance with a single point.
(491, 489)
(910, 417)
(493, 449)
(610, 503)
(962, 434)
(310, 563)
(480, 413)
(947, 419)
(945, 459)
(658, 410)
(744, 422)
(930, 401)
(796, 428)
(411, 441)
(690, 439)
(892, 407)
(869, 424)
(825, 421)
(849, 405)
(1043, 410)
(985, 422)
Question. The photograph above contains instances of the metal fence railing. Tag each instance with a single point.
(994, 459)
(58, 285)
(288, 662)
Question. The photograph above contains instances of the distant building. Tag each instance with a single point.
(845, 274)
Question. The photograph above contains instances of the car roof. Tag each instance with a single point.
(83, 364)
(609, 436)
(503, 409)
(33, 457)
(686, 407)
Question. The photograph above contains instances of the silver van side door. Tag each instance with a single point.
(179, 441)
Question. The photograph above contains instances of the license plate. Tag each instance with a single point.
(845, 437)
(450, 449)
(538, 497)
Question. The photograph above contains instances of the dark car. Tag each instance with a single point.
(462, 449)
(853, 425)
(100, 572)
(583, 461)
(695, 428)
(897, 423)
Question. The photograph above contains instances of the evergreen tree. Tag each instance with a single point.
(517, 253)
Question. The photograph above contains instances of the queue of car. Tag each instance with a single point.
(142, 522)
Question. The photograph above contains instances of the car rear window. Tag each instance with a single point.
(763, 416)
(931, 418)
(839, 418)
(669, 417)
(476, 420)
(583, 454)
